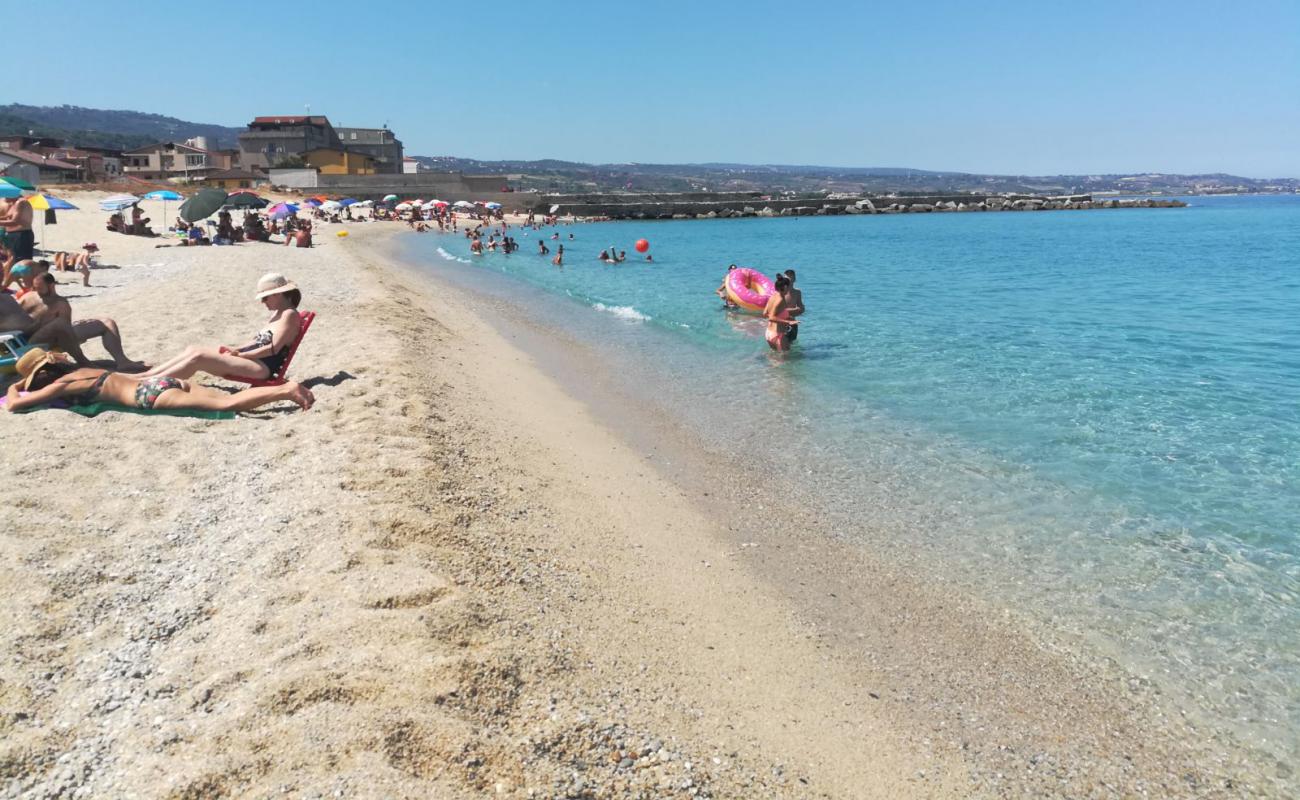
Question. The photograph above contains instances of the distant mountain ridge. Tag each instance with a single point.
(551, 175)
(109, 128)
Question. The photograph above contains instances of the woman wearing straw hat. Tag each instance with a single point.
(44, 376)
(259, 359)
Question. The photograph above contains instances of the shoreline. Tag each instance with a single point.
(1067, 674)
(452, 578)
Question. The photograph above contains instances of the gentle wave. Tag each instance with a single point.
(622, 312)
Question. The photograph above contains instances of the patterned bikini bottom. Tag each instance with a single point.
(147, 392)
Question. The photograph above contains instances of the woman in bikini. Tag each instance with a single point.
(259, 359)
(779, 323)
(45, 376)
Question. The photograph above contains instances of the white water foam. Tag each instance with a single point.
(451, 257)
(622, 312)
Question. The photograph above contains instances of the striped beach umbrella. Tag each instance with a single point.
(46, 202)
(118, 202)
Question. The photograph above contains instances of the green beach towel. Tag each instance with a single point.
(95, 409)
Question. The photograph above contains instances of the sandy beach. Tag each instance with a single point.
(450, 579)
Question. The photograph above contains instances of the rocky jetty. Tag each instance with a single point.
(634, 207)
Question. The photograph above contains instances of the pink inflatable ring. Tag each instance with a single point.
(748, 288)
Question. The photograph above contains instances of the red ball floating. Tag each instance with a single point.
(642, 245)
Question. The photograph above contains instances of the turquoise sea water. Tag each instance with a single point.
(1094, 414)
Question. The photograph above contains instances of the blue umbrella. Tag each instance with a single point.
(8, 190)
(164, 195)
(313, 202)
(347, 201)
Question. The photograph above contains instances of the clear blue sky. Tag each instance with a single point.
(1002, 87)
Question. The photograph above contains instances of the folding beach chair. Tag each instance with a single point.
(278, 378)
(12, 345)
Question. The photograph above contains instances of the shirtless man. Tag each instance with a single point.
(44, 305)
(795, 308)
(16, 219)
(57, 332)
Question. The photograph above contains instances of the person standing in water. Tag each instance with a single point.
(721, 291)
(796, 305)
(779, 323)
(559, 256)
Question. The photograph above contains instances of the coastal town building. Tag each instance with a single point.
(410, 166)
(237, 178)
(270, 141)
(92, 163)
(36, 168)
(284, 142)
(174, 161)
(329, 161)
(378, 143)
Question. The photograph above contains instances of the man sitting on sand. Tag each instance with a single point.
(56, 332)
(45, 305)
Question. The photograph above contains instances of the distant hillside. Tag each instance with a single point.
(106, 128)
(571, 177)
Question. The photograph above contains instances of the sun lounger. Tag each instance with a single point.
(278, 378)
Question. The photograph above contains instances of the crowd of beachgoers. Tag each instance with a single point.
(42, 337)
(742, 289)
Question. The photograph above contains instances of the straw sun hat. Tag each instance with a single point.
(273, 283)
(30, 363)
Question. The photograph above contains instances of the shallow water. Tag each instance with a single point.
(1094, 416)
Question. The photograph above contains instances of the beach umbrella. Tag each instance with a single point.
(118, 202)
(19, 182)
(9, 190)
(402, 207)
(365, 204)
(166, 196)
(555, 208)
(244, 200)
(388, 198)
(491, 205)
(45, 202)
(347, 201)
(282, 210)
(462, 204)
(313, 202)
(330, 205)
(203, 205)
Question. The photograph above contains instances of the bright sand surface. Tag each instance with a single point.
(450, 579)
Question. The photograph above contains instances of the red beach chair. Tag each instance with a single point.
(278, 378)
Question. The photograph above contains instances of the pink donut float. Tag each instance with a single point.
(748, 288)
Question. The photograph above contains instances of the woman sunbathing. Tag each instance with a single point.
(259, 359)
(48, 376)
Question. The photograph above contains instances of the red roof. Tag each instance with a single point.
(37, 158)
